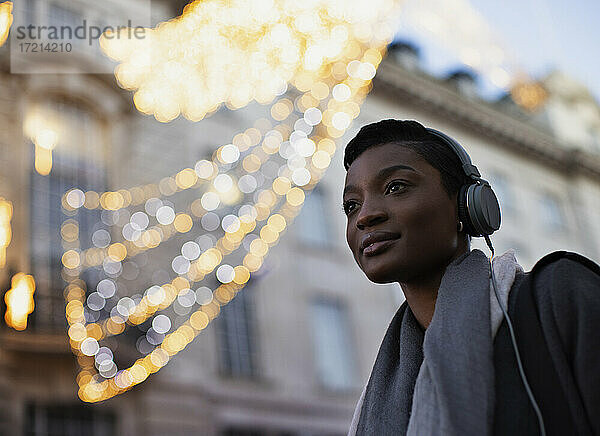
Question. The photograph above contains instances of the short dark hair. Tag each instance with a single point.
(412, 135)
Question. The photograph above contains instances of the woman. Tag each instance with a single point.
(447, 364)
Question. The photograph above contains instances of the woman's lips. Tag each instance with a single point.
(378, 247)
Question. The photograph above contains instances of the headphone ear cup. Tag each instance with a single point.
(463, 212)
(483, 209)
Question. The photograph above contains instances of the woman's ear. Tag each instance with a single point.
(454, 198)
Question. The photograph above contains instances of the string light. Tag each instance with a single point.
(6, 212)
(192, 65)
(139, 240)
(265, 173)
(6, 19)
(196, 271)
(19, 301)
(185, 179)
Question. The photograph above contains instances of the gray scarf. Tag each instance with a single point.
(440, 382)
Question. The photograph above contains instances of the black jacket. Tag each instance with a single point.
(555, 310)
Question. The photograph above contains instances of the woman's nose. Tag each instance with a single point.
(370, 216)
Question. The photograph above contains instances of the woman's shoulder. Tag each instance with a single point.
(563, 276)
(565, 288)
(566, 259)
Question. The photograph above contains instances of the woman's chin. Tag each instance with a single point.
(380, 276)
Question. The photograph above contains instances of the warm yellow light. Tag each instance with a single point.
(6, 20)
(117, 252)
(6, 212)
(281, 185)
(277, 222)
(70, 259)
(183, 223)
(43, 160)
(77, 332)
(19, 301)
(186, 178)
(529, 95)
(295, 196)
(70, 231)
(208, 57)
(268, 234)
(199, 320)
(242, 274)
(252, 262)
(46, 138)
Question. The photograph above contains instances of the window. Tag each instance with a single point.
(235, 335)
(313, 220)
(77, 162)
(551, 212)
(75, 420)
(334, 351)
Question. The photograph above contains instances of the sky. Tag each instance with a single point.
(539, 35)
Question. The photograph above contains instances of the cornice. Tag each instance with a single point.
(430, 94)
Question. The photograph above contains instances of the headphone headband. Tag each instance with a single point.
(478, 206)
(468, 167)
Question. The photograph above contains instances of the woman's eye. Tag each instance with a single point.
(348, 206)
(395, 186)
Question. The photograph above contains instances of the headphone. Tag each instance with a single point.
(479, 211)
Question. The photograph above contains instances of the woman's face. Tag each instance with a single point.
(401, 223)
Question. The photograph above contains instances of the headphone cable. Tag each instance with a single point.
(513, 339)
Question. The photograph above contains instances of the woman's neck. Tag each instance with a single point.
(421, 298)
(421, 294)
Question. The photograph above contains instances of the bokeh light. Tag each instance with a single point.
(6, 213)
(19, 301)
(6, 20)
